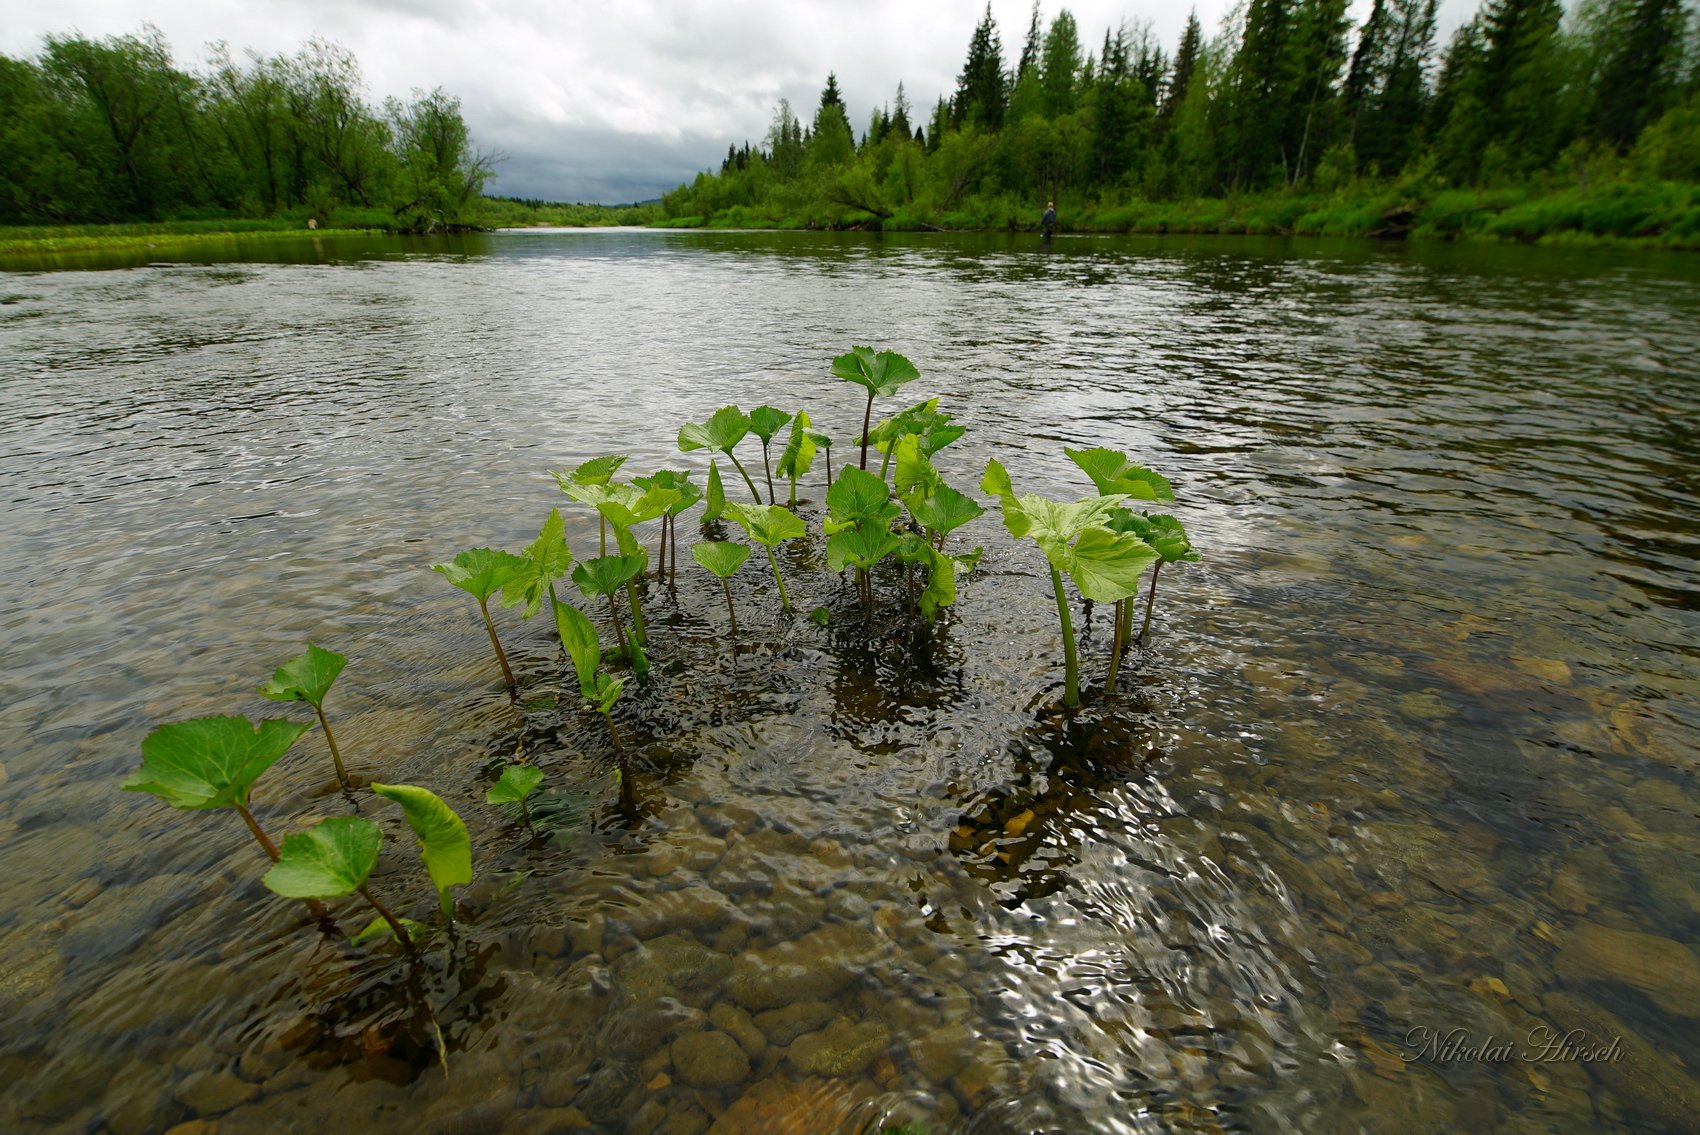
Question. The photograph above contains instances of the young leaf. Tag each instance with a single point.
(799, 453)
(725, 428)
(767, 524)
(331, 859)
(676, 480)
(714, 505)
(578, 635)
(859, 495)
(597, 471)
(1113, 473)
(915, 472)
(443, 842)
(481, 572)
(606, 574)
(210, 762)
(547, 558)
(379, 929)
(722, 557)
(306, 677)
(860, 546)
(879, 374)
(765, 421)
(517, 783)
(944, 510)
(606, 693)
(1163, 533)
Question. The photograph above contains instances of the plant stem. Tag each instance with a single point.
(739, 466)
(867, 419)
(1071, 663)
(673, 561)
(784, 600)
(733, 615)
(396, 927)
(1116, 646)
(507, 673)
(829, 466)
(602, 536)
(661, 552)
(768, 469)
(640, 634)
(1150, 602)
(885, 461)
(619, 631)
(525, 814)
(341, 773)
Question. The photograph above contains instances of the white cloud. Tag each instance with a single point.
(615, 101)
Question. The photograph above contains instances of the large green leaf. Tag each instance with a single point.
(880, 374)
(915, 472)
(859, 495)
(799, 452)
(598, 470)
(331, 859)
(1113, 473)
(944, 510)
(1104, 565)
(767, 524)
(765, 421)
(722, 557)
(862, 545)
(443, 842)
(1166, 536)
(517, 783)
(725, 428)
(1041, 518)
(210, 762)
(714, 505)
(606, 574)
(914, 420)
(482, 571)
(578, 635)
(547, 558)
(306, 677)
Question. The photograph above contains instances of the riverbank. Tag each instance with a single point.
(1658, 215)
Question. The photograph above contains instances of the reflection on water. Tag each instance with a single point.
(1412, 749)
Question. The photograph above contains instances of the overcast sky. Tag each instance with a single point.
(617, 101)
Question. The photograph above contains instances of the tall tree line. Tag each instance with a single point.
(106, 130)
(1288, 95)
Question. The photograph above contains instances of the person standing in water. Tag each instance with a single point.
(1049, 221)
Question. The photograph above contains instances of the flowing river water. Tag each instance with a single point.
(1390, 825)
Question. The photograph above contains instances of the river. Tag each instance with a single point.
(1391, 824)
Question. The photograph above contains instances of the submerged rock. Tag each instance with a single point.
(709, 1059)
(1666, 971)
(1649, 1082)
(844, 1048)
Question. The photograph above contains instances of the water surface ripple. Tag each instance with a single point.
(1409, 755)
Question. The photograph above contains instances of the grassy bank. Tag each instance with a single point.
(1661, 214)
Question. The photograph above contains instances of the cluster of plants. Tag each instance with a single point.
(891, 516)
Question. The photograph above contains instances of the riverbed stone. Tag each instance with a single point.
(116, 921)
(1646, 1079)
(30, 968)
(740, 1026)
(844, 1048)
(784, 1025)
(815, 967)
(674, 966)
(942, 1052)
(710, 1059)
(776, 1106)
(1665, 970)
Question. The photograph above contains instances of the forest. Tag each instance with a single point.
(1531, 121)
(111, 131)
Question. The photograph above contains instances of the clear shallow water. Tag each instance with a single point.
(1412, 749)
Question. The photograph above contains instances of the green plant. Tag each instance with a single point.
(443, 843)
(330, 860)
(722, 557)
(678, 481)
(1104, 565)
(600, 691)
(547, 558)
(724, 429)
(213, 762)
(938, 510)
(859, 515)
(481, 572)
(765, 421)
(624, 507)
(769, 525)
(308, 677)
(799, 454)
(879, 374)
(1167, 537)
(596, 471)
(516, 785)
(923, 421)
(603, 576)
(714, 499)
